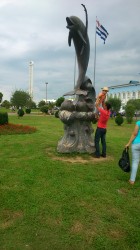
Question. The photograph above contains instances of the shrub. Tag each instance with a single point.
(3, 118)
(119, 119)
(44, 109)
(28, 111)
(20, 112)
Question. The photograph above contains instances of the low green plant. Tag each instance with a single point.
(20, 112)
(28, 110)
(119, 119)
(3, 118)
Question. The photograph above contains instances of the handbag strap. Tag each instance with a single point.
(126, 153)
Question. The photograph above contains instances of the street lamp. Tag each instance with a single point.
(46, 91)
(139, 75)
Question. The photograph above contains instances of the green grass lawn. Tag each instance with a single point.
(74, 202)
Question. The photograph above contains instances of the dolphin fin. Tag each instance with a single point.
(69, 38)
(82, 50)
(80, 34)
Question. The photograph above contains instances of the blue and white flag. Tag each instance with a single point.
(101, 31)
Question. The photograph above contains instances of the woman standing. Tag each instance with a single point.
(135, 140)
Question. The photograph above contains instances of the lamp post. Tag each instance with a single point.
(46, 91)
(139, 76)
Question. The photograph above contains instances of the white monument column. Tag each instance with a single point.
(31, 64)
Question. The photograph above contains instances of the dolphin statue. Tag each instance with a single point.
(78, 33)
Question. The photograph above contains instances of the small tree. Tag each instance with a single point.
(44, 109)
(59, 101)
(30, 104)
(115, 104)
(41, 103)
(20, 98)
(129, 112)
(136, 104)
(1, 95)
(51, 105)
(6, 104)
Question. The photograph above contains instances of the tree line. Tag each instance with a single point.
(22, 99)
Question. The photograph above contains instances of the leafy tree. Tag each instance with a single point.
(31, 104)
(59, 101)
(1, 95)
(115, 104)
(129, 112)
(20, 98)
(135, 103)
(41, 103)
(6, 104)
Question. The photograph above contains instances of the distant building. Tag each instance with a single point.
(125, 92)
(49, 100)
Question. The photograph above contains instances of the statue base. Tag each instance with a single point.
(77, 132)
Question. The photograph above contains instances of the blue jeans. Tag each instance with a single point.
(135, 160)
(100, 134)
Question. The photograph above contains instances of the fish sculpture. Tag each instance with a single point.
(78, 33)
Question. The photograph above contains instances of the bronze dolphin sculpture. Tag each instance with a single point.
(78, 33)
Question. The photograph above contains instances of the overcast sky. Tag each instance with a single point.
(35, 30)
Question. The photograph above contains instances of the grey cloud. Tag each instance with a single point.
(36, 30)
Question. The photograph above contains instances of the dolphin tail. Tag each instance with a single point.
(76, 92)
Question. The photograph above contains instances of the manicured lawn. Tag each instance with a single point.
(74, 202)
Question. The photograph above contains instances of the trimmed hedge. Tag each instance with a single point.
(28, 110)
(3, 118)
(20, 112)
(119, 119)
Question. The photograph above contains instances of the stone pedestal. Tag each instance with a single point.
(78, 132)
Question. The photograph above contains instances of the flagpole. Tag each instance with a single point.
(94, 58)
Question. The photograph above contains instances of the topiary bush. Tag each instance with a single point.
(56, 114)
(20, 112)
(119, 119)
(3, 118)
(28, 110)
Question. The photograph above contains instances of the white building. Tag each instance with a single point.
(125, 92)
(50, 100)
